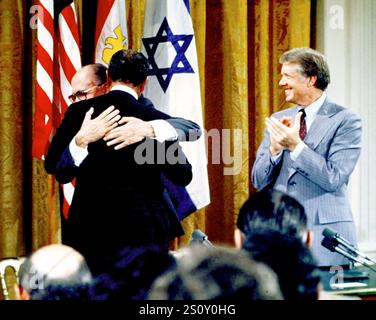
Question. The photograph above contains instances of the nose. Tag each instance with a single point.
(282, 82)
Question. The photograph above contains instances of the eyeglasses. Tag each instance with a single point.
(81, 95)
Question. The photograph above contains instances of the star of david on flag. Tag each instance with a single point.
(180, 64)
(174, 88)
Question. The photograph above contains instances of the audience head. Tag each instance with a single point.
(289, 258)
(216, 274)
(132, 274)
(129, 67)
(90, 81)
(272, 209)
(54, 272)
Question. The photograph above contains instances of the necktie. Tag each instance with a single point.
(303, 125)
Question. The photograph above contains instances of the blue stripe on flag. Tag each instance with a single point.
(186, 2)
(174, 88)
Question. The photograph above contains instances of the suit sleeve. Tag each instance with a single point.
(187, 130)
(264, 171)
(55, 161)
(176, 167)
(66, 170)
(333, 171)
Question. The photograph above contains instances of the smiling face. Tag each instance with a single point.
(298, 88)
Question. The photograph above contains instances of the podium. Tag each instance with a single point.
(338, 282)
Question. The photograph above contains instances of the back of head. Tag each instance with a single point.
(290, 259)
(99, 71)
(55, 272)
(132, 274)
(128, 66)
(311, 62)
(272, 209)
(216, 274)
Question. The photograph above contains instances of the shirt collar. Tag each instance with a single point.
(126, 89)
(312, 109)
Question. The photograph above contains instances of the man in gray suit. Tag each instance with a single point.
(312, 157)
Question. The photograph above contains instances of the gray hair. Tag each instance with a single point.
(311, 62)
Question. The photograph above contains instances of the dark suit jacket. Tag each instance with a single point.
(187, 131)
(117, 202)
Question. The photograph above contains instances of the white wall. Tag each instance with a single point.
(346, 34)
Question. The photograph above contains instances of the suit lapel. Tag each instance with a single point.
(320, 126)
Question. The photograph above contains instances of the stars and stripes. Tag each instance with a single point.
(58, 59)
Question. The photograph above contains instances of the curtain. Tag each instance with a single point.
(12, 61)
(238, 43)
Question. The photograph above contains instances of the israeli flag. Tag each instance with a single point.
(174, 88)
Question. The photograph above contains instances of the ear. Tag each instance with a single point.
(309, 239)
(108, 81)
(142, 86)
(239, 238)
(105, 86)
(21, 293)
(312, 81)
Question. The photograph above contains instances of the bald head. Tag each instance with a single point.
(54, 270)
(57, 261)
(91, 76)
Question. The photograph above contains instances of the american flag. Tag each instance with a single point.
(58, 59)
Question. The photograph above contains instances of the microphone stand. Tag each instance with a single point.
(349, 254)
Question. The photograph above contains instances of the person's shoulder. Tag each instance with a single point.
(342, 111)
(78, 107)
(122, 98)
(285, 112)
(86, 104)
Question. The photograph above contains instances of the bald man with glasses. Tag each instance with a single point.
(91, 81)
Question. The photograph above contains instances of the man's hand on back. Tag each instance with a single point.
(133, 130)
(94, 129)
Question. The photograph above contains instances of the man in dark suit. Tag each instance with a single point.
(91, 81)
(118, 199)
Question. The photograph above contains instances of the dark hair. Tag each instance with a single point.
(128, 66)
(290, 259)
(274, 209)
(41, 286)
(100, 72)
(219, 274)
(132, 274)
(312, 63)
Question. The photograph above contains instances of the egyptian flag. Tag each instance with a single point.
(111, 30)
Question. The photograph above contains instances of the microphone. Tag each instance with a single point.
(198, 237)
(335, 243)
(328, 244)
(336, 239)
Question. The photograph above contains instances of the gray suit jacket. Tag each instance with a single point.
(319, 176)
